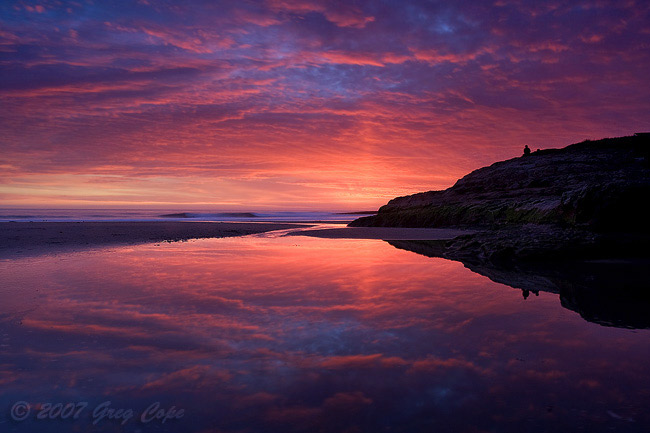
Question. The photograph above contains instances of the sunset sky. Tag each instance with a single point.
(287, 104)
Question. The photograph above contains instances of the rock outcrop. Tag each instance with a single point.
(584, 200)
(593, 184)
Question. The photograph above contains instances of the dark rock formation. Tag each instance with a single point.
(586, 200)
(209, 215)
(593, 184)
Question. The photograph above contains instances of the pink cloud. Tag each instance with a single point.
(340, 15)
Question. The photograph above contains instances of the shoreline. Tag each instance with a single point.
(18, 239)
(385, 233)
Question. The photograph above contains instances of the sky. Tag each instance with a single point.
(305, 105)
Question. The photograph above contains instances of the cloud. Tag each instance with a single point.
(342, 15)
(289, 102)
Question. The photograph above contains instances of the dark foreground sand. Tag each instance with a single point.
(383, 233)
(35, 238)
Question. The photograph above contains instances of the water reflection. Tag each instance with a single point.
(304, 334)
(610, 293)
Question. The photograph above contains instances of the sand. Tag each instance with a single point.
(34, 238)
(383, 233)
(18, 239)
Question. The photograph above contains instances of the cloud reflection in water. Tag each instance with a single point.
(301, 334)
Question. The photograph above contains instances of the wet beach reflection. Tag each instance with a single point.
(304, 334)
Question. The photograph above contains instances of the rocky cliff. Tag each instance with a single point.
(587, 200)
(596, 185)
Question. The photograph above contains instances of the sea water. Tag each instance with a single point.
(40, 215)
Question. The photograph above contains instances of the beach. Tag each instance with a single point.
(35, 238)
(384, 233)
(251, 328)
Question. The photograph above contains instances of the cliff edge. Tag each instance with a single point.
(587, 199)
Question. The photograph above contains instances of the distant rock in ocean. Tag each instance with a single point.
(586, 199)
(209, 215)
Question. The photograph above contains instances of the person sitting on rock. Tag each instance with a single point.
(526, 150)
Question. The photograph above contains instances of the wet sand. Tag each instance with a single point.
(384, 233)
(35, 238)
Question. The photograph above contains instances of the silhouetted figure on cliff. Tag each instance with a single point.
(526, 150)
(526, 293)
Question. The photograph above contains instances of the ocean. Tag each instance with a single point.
(42, 215)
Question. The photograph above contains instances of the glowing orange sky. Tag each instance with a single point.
(301, 104)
